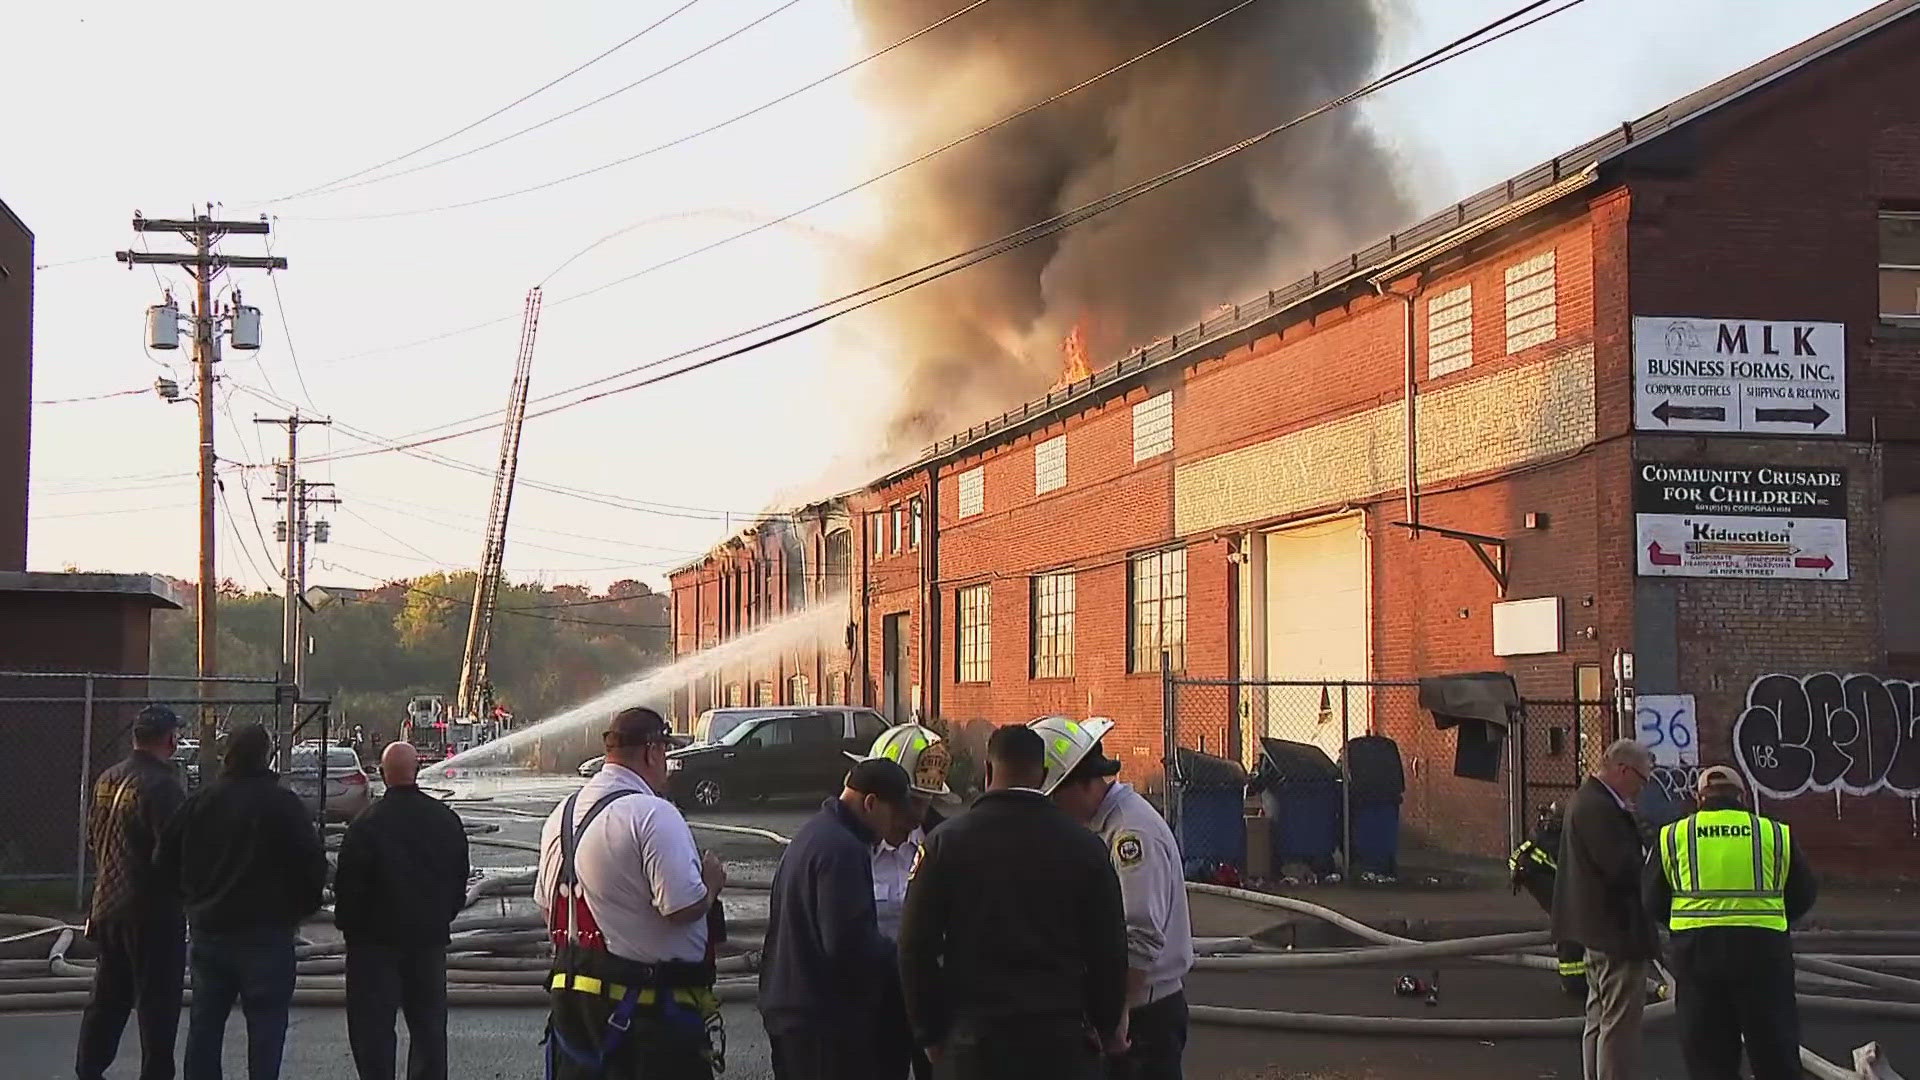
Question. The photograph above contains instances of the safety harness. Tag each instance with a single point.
(680, 993)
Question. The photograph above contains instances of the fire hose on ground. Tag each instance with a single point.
(481, 969)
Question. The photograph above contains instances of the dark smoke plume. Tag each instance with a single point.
(990, 336)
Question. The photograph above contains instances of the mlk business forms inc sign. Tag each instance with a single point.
(1745, 521)
(1741, 376)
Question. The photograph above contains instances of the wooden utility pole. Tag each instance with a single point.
(204, 232)
(297, 494)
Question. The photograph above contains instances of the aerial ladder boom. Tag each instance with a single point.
(486, 587)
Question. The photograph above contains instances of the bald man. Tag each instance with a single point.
(402, 878)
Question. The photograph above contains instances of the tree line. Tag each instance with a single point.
(373, 649)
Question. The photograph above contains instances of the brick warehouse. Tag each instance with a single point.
(1724, 294)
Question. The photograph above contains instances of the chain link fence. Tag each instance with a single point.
(58, 732)
(1357, 778)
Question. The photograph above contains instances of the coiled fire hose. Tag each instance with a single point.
(482, 968)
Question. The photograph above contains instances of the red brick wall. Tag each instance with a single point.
(1775, 219)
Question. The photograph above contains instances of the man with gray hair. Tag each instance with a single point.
(1597, 903)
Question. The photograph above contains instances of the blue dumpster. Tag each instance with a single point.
(1299, 789)
(1379, 782)
(1212, 819)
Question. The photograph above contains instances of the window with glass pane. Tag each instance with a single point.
(734, 699)
(800, 690)
(763, 692)
(1900, 264)
(875, 523)
(899, 514)
(1159, 597)
(1053, 603)
(974, 605)
(914, 511)
(1050, 465)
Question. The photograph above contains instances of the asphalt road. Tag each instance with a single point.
(501, 1043)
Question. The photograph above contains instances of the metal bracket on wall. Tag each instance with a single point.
(1490, 550)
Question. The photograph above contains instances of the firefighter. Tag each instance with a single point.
(1532, 866)
(924, 755)
(1013, 945)
(631, 904)
(1728, 883)
(1145, 856)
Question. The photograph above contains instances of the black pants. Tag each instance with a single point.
(656, 1047)
(141, 965)
(896, 1055)
(1735, 986)
(381, 980)
(841, 1053)
(1157, 1035)
(1025, 1049)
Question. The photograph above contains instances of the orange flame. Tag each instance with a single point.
(1074, 366)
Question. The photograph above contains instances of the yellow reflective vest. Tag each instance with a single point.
(1726, 868)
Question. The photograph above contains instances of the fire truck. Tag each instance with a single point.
(438, 737)
(426, 728)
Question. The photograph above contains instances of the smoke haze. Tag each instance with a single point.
(982, 340)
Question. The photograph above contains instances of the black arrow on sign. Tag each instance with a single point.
(1667, 412)
(1812, 416)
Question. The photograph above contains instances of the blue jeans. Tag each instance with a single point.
(254, 967)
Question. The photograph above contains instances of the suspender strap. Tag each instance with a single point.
(567, 882)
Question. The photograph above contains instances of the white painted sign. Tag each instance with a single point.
(1749, 521)
(1526, 627)
(1745, 375)
(1666, 725)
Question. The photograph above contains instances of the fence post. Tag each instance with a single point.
(1170, 739)
(1346, 784)
(86, 770)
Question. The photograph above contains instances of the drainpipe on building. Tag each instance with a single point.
(930, 670)
(1409, 397)
(866, 607)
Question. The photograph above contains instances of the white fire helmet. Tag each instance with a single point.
(1068, 742)
(918, 750)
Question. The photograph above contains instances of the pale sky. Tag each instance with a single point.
(110, 117)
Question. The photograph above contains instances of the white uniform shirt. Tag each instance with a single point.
(636, 864)
(1147, 859)
(891, 868)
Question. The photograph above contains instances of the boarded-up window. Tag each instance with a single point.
(1050, 465)
(1153, 427)
(973, 492)
(1533, 309)
(1053, 603)
(763, 692)
(974, 606)
(1449, 331)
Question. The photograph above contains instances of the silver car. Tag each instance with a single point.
(348, 791)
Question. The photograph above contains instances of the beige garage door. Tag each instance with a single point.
(1317, 630)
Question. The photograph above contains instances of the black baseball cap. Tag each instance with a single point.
(637, 726)
(154, 721)
(1096, 763)
(881, 777)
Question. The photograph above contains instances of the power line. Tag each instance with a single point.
(648, 77)
(95, 397)
(286, 330)
(398, 506)
(1019, 238)
(782, 219)
(529, 95)
(362, 520)
(518, 543)
(240, 538)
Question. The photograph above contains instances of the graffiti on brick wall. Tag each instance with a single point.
(1857, 734)
(1676, 782)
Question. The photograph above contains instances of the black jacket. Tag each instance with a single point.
(245, 855)
(1014, 913)
(402, 874)
(132, 803)
(1726, 948)
(1596, 893)
(825, 961)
